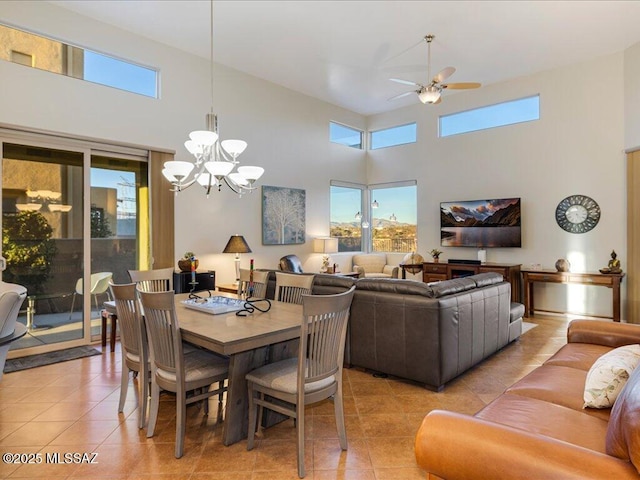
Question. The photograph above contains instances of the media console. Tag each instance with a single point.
(436, 272)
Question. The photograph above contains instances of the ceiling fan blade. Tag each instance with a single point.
(461, 85)
(444, 74)
(438, 101)
(400, 96)
(405, 82)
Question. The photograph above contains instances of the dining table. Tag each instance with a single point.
(250, 341)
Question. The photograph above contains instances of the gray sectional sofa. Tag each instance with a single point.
(428, 333)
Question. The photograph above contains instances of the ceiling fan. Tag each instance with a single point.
(431, 92)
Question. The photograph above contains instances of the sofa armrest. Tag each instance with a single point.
(359, 269)
(455, 446)
(390, 270)
(599, 332)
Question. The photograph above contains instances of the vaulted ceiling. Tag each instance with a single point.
(344, 52)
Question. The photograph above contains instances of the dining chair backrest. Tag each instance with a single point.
(163, 332)
(260, 280)
(323, 336)
(158, 280)
(133, 336)
(291, 287)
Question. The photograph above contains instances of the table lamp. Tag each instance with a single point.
(325, 245)
(237, 244)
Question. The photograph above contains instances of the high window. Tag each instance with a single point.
(498, 115)
(36, 51)
(390, 137)
(345, 135)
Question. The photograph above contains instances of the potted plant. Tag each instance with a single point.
(435, 253)
(184, 264)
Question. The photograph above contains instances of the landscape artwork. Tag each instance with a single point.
(481, 223)
(283, 215)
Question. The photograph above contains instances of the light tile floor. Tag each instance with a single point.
(72, 407)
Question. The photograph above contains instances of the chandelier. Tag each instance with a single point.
(214, 160)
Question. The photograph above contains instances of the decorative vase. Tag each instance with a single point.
(563, 265)
(436, 259)
(185, 264)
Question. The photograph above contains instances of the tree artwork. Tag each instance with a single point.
(283, 216)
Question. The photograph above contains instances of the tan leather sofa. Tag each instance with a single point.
(538, 429)
(374, 265)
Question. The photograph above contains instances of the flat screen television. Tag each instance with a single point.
(481, 223)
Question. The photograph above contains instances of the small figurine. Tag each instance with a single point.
(614, 263)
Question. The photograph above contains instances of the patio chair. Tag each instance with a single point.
(99, 286)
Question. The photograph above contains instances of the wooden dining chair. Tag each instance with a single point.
(134, 345)
(172, 369)
(158, 280)
(316, 374)
(260, 280)
(291, 287)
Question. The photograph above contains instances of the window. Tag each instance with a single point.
(346, 202)
(390, 137)
(394, 217)
(345, 135)
(498, 115)
(378, 218)
(44, 53)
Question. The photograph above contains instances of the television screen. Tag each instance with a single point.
(481, 223)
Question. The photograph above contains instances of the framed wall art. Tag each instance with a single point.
(283, 215)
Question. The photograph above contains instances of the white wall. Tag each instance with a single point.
(632, 97)
(287, 132)
(575, 148)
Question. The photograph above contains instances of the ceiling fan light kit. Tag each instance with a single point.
(432, 91)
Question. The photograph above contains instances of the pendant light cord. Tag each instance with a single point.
(211, 66)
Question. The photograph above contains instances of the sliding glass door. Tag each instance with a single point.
(72, 220)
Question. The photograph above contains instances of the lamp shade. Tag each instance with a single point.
(237, 244)
(325, 245)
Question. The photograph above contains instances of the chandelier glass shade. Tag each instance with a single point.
(213, 159)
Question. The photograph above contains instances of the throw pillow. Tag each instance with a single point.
(608, 375)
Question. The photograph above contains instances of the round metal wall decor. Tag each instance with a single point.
(577, 214)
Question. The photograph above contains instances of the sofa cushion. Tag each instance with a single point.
(545, 418)
(394, 285)
(371, 262)
(608, 375)
(557, 384)
(456, 285)
(578, 355)
(516, 311)
(623, 434)
(487, 278)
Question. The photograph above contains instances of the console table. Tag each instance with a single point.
(435, 272)
(609, 280)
